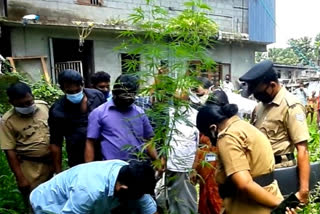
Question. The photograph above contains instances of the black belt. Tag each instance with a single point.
(44, 159)
(278, 158)
(264, 180)
(228, 188)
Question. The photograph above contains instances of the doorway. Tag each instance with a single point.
(66, 55)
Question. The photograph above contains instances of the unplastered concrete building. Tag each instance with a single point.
(50, 37)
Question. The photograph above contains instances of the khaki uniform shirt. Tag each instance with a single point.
(283, 121)
(29, 137)
(243, 147)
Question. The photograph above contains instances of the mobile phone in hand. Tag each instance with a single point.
(291, 202)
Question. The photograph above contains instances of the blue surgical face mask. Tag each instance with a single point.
(26, 110)
(75, 98)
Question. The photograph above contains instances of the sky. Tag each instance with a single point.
(295, 19)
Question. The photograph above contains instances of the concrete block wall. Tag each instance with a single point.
(32, 41)
(241, 57)
(230, 15)
(35, 42)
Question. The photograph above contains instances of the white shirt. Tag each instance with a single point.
(245, 105)
(184, 140)
(227, 87)
(301, 95)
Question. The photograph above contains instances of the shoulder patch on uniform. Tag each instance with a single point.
(300, 117)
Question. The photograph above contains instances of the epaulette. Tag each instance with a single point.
(8, 114)
(41, 102)
(291, 100)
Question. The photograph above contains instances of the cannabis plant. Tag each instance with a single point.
(167, 43)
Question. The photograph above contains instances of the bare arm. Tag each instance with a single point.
(14, 163)
(194, 173)
(152, 152)
(196, 160)
(89, 150)
(160, 163)
(244, 183)
(56, 152)
(304, 171)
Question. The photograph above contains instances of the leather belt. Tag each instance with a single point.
(264, 180)
(228, 188)
(280, 159)
(44, 159)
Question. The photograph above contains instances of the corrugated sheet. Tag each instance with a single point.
(262, 21)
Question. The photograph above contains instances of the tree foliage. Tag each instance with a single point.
(284, 56)
(301, 51)
(317, 46)
(304, 49)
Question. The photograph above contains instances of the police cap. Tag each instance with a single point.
(258, 72)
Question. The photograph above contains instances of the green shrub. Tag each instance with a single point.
(43, 91)
(313, 144)
(11, 200)
(314, 202)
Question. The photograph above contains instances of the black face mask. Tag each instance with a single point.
(125, 195)
(105, 93)
(123, 104)
(263, 96)
(123, 100)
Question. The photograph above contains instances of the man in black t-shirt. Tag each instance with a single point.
(68, 118)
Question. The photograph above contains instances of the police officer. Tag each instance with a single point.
(244, 171)
(281, 117)
(24, 136)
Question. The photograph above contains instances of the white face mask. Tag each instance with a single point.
(26, 110)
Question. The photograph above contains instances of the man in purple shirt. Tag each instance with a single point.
(120, 125)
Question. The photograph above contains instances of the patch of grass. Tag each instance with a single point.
(314, 153)
(11, 201)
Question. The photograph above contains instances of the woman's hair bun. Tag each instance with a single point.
(229, 110)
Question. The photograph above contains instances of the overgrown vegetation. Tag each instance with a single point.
(11, 201)
(314, 152)
(314, 202)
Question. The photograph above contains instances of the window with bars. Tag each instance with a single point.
(91, 2)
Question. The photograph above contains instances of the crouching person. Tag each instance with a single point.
(98, 187)
(24, 137)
